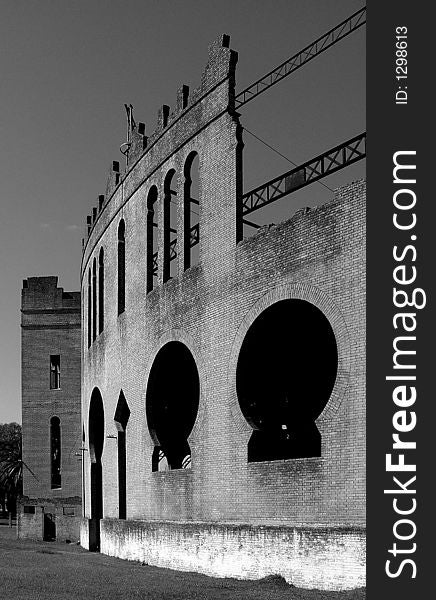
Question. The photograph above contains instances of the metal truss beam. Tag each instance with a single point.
(301, 58)
(194, 238)
(331, 161)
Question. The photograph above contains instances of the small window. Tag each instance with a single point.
(55, 372)
(68, 511)
(29, 510)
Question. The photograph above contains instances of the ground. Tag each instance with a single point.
(54, 571)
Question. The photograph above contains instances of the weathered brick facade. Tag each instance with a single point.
(50, 328)
(301, 517)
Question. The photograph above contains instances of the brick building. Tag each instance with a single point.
(223, 378)
(50, 375)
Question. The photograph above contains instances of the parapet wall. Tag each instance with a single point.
(42, 299)
(174, 138)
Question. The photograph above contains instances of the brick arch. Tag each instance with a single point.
(187, 154)
(190, 217)
(96, 425)
(169, 227)
(315, 296)
(178, 335)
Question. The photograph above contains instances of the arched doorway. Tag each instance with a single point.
(121, 418)
(96, 441)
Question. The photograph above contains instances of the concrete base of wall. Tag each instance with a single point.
(84, 533)
(323, 558)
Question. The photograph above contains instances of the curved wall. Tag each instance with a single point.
(317, 255)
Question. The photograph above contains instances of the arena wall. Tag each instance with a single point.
(301, 517)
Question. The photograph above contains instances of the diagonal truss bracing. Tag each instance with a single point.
(329, 162)
(301, 58)
(193, 240)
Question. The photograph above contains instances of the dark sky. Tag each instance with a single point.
(68, 66)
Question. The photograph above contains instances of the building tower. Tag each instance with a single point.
(50, 378)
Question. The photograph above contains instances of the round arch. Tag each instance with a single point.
(325, 312)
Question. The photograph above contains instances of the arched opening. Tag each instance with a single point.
(121, 418)
(94, 299)
(152, 263)
(191, 205)
(55, 453)
(285, 374)
(172, 405)
(83, 470)
(121, 267)
(96, 442)
(89, 310)
(101, 291)
(170, 228)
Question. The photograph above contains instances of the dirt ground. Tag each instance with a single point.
(55, 571)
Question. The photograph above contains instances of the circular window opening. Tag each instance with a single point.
(285, 374)
(172, 399)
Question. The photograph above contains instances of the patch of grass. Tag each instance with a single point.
(54, 571)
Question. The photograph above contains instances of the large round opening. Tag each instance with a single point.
(172, 399)
(285, 374)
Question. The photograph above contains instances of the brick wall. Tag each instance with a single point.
(318, 255)
(50, 326)
(65, 512)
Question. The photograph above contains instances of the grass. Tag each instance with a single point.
(54, 571)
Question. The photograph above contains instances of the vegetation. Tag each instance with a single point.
(56, 571)
(11, 465)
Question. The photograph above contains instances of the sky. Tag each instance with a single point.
(68, 66)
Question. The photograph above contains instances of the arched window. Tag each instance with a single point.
(121, 267)
(55, 452)
(101, 291)
(151, 238)
(121, 418)
(170, 228)
(94, 299)
(191, 226)
(89, 309)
